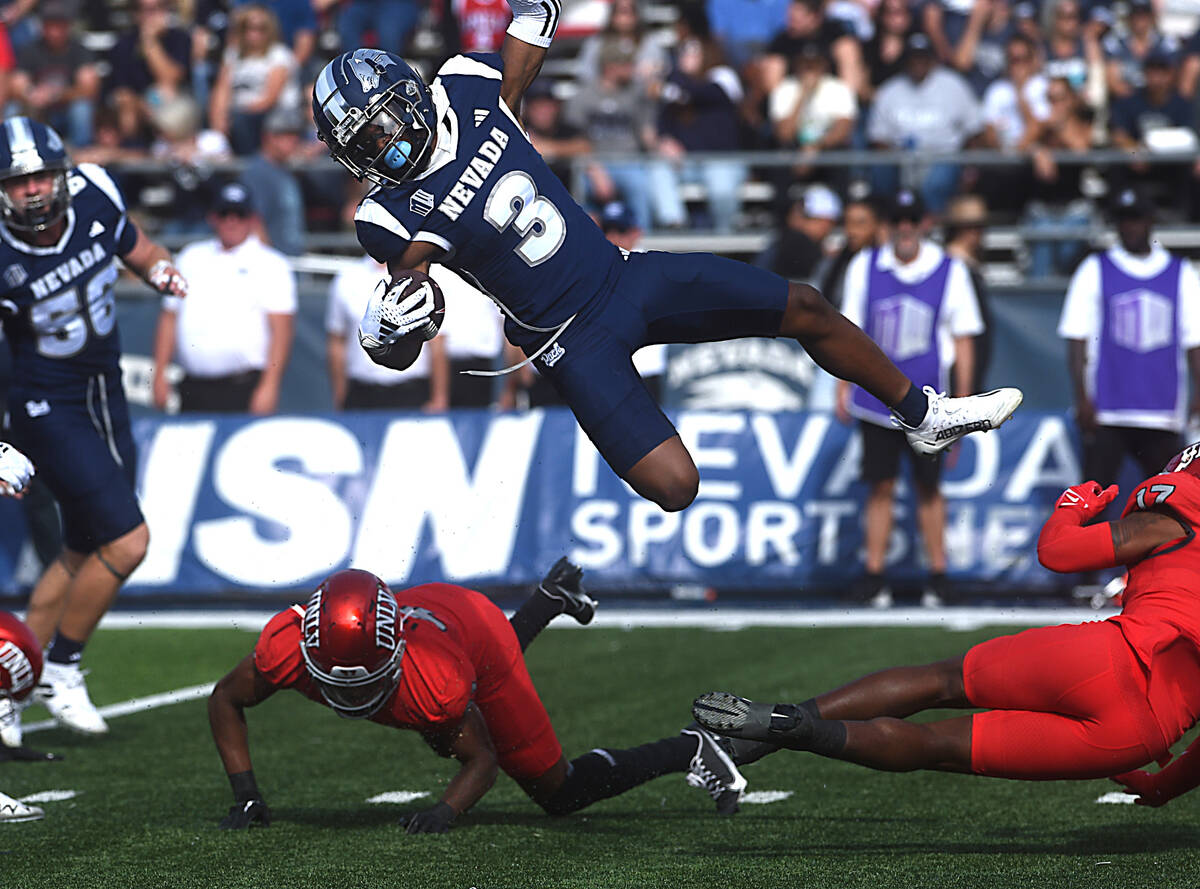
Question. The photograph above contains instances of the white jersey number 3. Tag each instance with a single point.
(514, 201)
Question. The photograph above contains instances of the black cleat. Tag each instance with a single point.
(784, 725)
(713, 768)
(741, 751)
(564, 584)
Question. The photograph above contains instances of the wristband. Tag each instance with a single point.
(245, 788)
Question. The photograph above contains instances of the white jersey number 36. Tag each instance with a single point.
(514, 201)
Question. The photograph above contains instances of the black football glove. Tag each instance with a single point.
(242, 816)
(435, 820)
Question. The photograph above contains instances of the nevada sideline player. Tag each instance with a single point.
(1091, 700)
(444, 660)
(459, 183)
(20, 653)
(62, 230)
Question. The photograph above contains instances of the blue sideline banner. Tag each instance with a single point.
(263, 505)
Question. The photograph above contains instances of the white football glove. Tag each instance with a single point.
(389, 316)
(534, 21)
(166, 279)
(15, 469)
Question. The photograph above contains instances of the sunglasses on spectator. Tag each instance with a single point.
(227, 212)
(1021, 59)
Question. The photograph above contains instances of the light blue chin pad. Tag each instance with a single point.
(397, 156)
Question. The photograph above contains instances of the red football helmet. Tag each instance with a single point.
(20, 657)
(351, 642)
(1187, 460)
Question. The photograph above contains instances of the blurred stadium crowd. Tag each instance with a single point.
(712, 118)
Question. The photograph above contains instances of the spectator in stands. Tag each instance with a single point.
(945, 23)
(614, 114)
(56, 81)
(556, 139)
(391, 21)
(919, 306)
(1154, 116)
(1057, 187)
(233, 332)
(861, 228)
(19, 24)
(1131, 317)
(812, 109)
(1126, 53)
(480, 24)
(928, 108)
(1072, 52)
(965, 222)
(800, 246)
(883, 54)
(358, 382)
(807, 23)
(624, 23)
(744, 27)
(257, 75)
(474, 340)
(274, 188)
(698, 111)
(184, 196)
(149, 64)
(980, 53)
(297, 26)
(1015, 106)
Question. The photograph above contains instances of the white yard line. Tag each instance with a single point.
(138, 705)
(959, 618)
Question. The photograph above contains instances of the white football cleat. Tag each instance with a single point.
(64, 693)
(949, 419)
(10, 721)
(14, 810)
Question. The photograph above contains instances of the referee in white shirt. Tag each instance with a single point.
(358, 382)
(233, 333)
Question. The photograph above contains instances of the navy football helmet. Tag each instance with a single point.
(27, 146)
(376, 115)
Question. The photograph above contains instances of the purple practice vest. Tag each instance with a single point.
(903, 320)
(1138, 358)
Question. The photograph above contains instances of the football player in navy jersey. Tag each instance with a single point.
(459, 183)
(62, 230)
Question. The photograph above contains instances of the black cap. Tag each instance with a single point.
(907, 205)
(285, 120)
(233, 198)
(616, 216)
(1159, 57)
(1130, 203)
(1141, 6)
(57, 10)
(542, 88)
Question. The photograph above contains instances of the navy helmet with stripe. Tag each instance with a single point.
(26, 147)
(376, 115)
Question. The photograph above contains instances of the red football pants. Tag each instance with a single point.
(1063, 702)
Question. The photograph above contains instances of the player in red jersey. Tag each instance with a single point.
(444, 660)
(1079, 701)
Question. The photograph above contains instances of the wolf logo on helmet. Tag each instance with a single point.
(367, 65)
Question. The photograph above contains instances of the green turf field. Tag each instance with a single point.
(150, 795)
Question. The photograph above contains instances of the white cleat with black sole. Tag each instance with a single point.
(10, 721)
(64, 693)
(13, 810)
(713, 769)
(949, 419)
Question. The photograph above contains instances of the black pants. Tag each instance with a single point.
(221, 395)
(409, 395)
(1104, 450)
